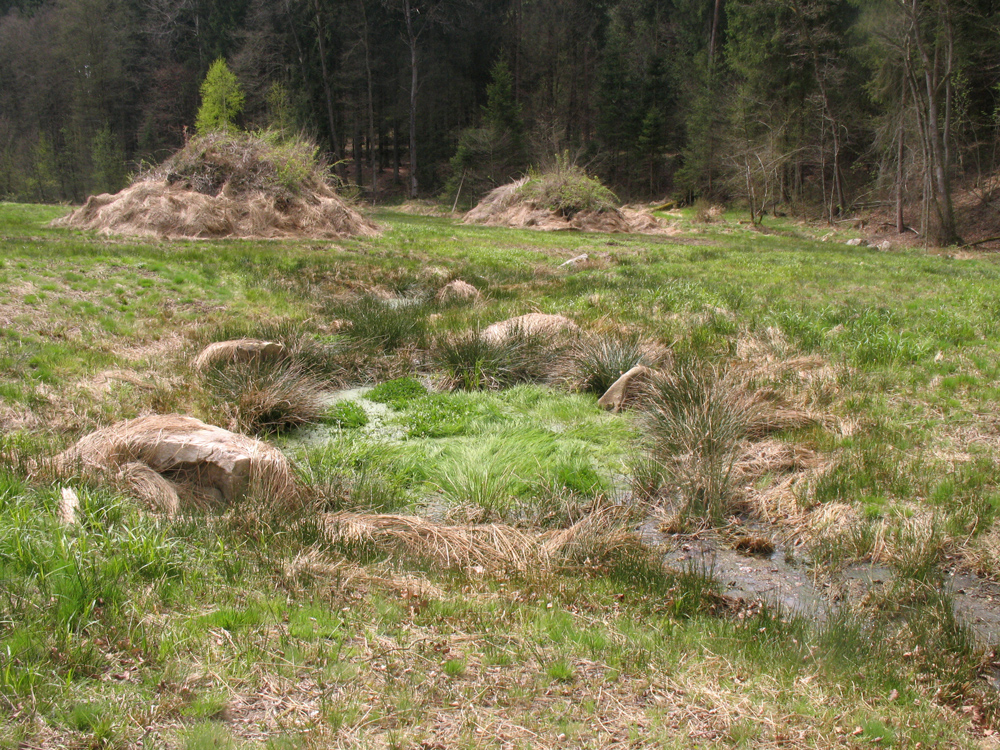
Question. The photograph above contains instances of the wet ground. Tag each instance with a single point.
(779, 573)
(782, 575)
(777, 577)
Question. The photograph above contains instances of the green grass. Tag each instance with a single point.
(508, 453)
(396, 393)
(345, 414)
(128, 626)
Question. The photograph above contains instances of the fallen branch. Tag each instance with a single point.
(980, 242)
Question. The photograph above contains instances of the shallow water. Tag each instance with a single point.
(785, 579)
(779, 578)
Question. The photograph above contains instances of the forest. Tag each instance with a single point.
(819, 107)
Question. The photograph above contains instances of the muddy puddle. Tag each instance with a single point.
(782, 575)
(777, 576)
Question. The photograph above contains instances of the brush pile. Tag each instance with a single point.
(228, 185)
(562, 198)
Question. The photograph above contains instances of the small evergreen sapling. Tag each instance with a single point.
(221, 99)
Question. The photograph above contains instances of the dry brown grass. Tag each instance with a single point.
(227, 185)
(509, 206)
(317, 563)
(706, 212)
(531, 324)
(159, 209)
(481, 548)
(156, 490)
(238, 351)
(164, 459)
(488, 546)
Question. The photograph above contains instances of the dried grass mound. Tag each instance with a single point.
(560, 199)
(238, 351)
(228, 185)
(532, 324)
(457, 291)
(166, 458)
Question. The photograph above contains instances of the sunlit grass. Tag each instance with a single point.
(128, 622)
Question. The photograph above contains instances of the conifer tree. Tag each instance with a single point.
(221, 99)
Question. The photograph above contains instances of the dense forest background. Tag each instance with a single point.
(819, 105)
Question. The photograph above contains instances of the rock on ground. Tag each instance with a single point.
(192, 459)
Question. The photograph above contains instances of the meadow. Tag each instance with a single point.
(477, 555)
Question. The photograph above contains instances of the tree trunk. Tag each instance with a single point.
(374, 156)
(395, 151)
(714, 35)
(900, 155)
(517, 49)
(412, 42)
(358, 157)
(334, 143)
(946, 232)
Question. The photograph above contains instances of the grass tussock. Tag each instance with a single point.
(709, 436)
(263, 396)
(326, 357)
(379, 324)
(696, 422)
(599, 360)
(475, 361)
